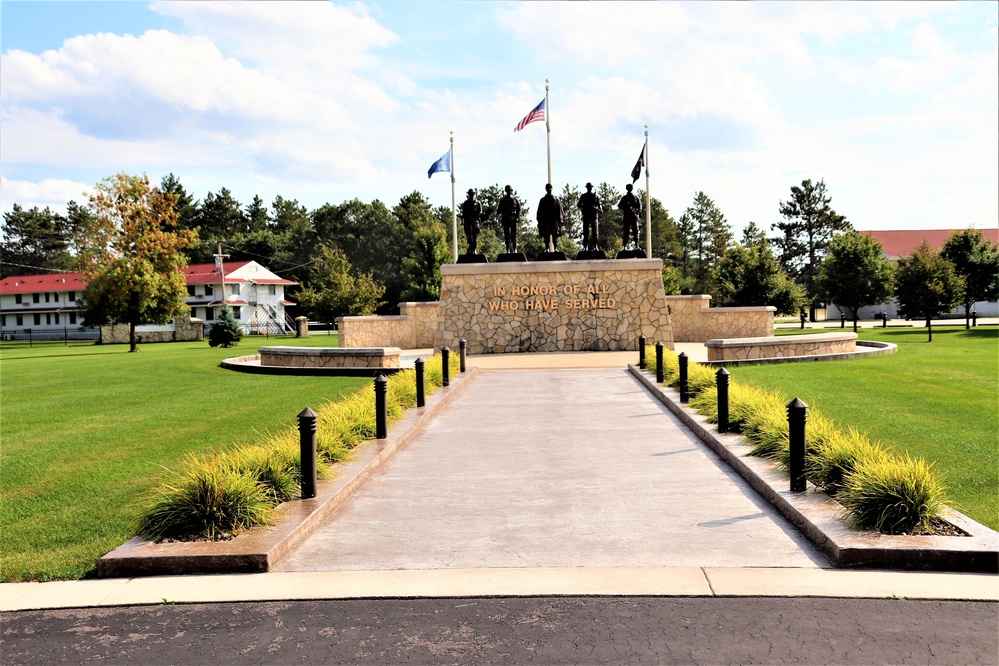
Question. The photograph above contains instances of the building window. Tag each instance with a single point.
(237, 312)
(72, 317)
(209, 290)
(18, 298)
(55, 297)
(190, 290)
(36, 298)
(38, 319)
(20, 320)
(57, 318)
(209, 314)
(272, 289)
(47, 297)
(3, 320)
(48, 318)
(72, 296)
(234, 290)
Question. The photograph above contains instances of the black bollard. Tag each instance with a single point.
(660, 374)
(721, 381)
(797, 414)
(842, 321)
(802, 317)
(641, 351)
(884, 320)
(421, 393)
(684, 389)
(307, 451)
(445, 366)
(974, 318)
(381, 409)
(462, 350)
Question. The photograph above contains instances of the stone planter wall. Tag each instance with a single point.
(781, 347)
(600, 305)
(185, 329)
(694, 321)
(319, 357)
(413, 328)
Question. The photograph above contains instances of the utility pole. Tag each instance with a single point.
(219, 257)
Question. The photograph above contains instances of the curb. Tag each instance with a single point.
(260, 549)
(819, 517)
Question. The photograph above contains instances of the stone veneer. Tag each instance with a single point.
(694, 321)
(781, 346)
(186, 329)
(553, 306)
(323, 357)
(413, 328)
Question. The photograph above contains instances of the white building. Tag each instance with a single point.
(255, 295)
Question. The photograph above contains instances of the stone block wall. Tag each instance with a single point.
(184, 329)
(781, 346)
(318, 357)
(552, 306)
(413, 328)
(694, 321)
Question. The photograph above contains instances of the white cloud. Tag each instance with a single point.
(53, 193)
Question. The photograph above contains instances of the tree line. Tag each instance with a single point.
(361, 258)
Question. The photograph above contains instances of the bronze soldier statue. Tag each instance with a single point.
(471, 219)
(509, 212)
(630, 209)
(550, 215)
(589, 205)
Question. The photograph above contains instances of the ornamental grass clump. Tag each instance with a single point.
(892, 494)
(836, 457)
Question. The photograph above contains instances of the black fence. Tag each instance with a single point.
(27, 337)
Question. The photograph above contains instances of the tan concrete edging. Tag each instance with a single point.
(872, 348)
(820, 518)
(259, 549)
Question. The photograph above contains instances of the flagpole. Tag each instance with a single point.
(648, 198)
(548, 127)
(454, 212)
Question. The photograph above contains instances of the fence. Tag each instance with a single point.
(26, 337)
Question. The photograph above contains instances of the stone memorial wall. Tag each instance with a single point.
(694, 321)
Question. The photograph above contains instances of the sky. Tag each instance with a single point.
(895, 105)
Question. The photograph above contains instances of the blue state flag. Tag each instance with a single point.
(443, 164)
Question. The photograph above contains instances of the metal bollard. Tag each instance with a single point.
(974, 318)
(421, 393)
(381, 409)
(660, 375)
(802, 317)
(684, 388)
(842, 321)
(884, 320)
(445, 366)
(307, 451)
(797, 414)
(462, 350)
(721, 381)
(641, 351)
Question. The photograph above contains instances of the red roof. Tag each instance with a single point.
(901, 243)
(209, 274)
(268, 281)
(26, 284)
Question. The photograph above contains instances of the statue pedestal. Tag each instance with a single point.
(600, 305)
(631, 254)
(590, 255)
(472, 259)
(551, 256)
(511, 256)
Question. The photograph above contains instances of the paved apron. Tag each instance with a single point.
(554, 468)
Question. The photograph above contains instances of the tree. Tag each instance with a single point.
(708, 236)
(422, 267)
(856, 273)
(926, 286)
(34, 242)
(612, 221)
(337, 289)
(752, 235)
(977, 261)
(749, 276)
(809, 226)
(186, 206)
(132, 255)
(226, 331)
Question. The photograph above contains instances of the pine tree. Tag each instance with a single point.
(226, 331)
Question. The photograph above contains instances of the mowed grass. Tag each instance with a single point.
(87, 431)
(938, 400)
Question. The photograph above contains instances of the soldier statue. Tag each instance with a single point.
(509, 212)
(550, 216)
(589, 205)
(471, 216)
(630, 209)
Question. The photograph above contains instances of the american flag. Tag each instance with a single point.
(536, 114)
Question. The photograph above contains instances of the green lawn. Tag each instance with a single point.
(86, 431)
(938, 400)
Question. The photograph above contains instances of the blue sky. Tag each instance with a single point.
(895, 105)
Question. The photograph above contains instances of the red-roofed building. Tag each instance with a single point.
(255, 295)
(898, 244)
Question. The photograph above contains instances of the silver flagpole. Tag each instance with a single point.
(548, 127)
(648, 200)
(454, 212)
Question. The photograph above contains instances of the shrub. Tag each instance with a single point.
(226, 331)
(892, 494)
(836, 456)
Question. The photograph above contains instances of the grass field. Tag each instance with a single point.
(938, 400)
(86, 431)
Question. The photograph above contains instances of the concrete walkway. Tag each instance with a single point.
(554, 468)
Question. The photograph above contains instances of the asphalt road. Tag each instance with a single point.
(587, 630)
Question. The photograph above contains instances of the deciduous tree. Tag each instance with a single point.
(749, 276)
(977, 261)
(132, 255)
(855, 272)
(337, 289)
(926, 286)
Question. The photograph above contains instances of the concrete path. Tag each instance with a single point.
(554, 468)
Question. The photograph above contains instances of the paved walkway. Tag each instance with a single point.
(554, 468)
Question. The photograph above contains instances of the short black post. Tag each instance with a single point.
(660, 374)
(884, 320)
(445, 366)
(462, 350)
(381, 409)
(307, 448)
(974, 318)
(842, 320)
(421, 394)
(797, 414)
(802, 317)
(684, 388)
(721, 381)
(641, 351)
